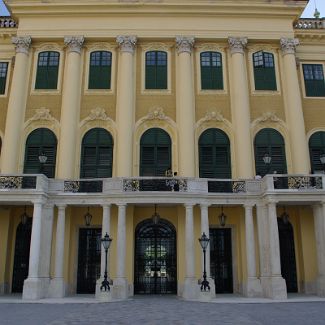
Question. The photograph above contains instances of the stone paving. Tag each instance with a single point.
(155, 310)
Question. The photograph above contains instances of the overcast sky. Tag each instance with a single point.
(307, 13)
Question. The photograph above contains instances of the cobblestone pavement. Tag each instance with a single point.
(163, 310)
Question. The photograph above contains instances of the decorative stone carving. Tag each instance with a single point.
(74, 43)
(268, 117)
(97, 113)
(22, 44)
(184, 44)
(156, 47)
(42, 113)
(156, 113)
(214, 116)
(126, 43)
(237, 45)
(288, 45)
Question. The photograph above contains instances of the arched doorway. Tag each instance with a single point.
(155, 152)
(287, 255)
(155, 270)
(316, 149)
(214, 152)
(21, 259)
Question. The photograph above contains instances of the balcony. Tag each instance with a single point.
(310, 23)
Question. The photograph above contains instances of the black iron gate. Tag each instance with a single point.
(221, 259)
(21, 260)
(155, 270)
(88, 259)
(287, 255)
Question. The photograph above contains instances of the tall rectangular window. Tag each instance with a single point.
(211, 70)
(100, 70)
(156, 70)
(47, 70)
(3, 77)
(264, 71)
(314, 80)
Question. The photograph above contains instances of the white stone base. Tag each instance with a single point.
(35, 288)
(206, 295)
(120, 289)
(274, 288)
(104, 296)
(321, 286)
(252, 288)
(191, 289)
(3, 288)
(57, 288)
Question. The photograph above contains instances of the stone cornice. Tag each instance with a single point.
(22, 44)
(288, 45)
(184, 44)
(237, 45)
(126, 43)
(74, 43)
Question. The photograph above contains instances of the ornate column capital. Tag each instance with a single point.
(184, 44)
(288, 45)
(237, 45)
(22, 44)
(126, 43)
(74, 43)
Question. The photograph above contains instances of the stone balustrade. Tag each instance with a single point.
(310, 23)
(7, 22)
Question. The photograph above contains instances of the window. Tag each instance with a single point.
(100, 70)
(47, 70)
(156, 70)
(316, 150)
(211, 70)
(264, 71)
(3, 77)
(314, 80)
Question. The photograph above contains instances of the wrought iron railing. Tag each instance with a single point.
(88, 186)
(18, 182)
(297, 182)
(155, 184)
(226, 186)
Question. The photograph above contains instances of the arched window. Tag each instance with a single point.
(47, 70)
(156, 70)
(96, 154)
(214, 154)
(211, 70)
(264, 71)
(155, 152)
(270, 141)
(100, 70)
(40, 141)
(316, 149)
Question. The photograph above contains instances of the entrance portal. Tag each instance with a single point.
(155, 258)
(88, 259)
(221, 259)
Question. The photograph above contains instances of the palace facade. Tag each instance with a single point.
(156, 122)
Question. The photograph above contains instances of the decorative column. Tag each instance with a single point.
(294, 111)
(16, 106)
(191, 287)
(125, 105)
(33, 285)
(319, 220)
(70, 108)
(185, 106)
(277, 283)
(240, 108)
(57, 288)
(120, 289)
(253, 285)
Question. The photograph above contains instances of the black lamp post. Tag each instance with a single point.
(42, 159)
(267, 161)
(204, 242)
(106, 241)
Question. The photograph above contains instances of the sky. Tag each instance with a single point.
(309, 11)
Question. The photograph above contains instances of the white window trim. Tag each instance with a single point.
(47, 48)
(100, 47)
(163, 47)
(251, 71)
(9, 61)
(211, 48)
(303, 86)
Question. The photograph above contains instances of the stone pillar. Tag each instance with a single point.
(120, 289)
(253, 285)
(106, 225)
(319, 220)
(16, 106)
(294, 111)
(70, 109)
(240, 108)
(191, 287)
(57, 288)
(125, 105)
(185, 106)
(33, 284)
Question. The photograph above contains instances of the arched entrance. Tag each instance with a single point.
(287, 255)
(21, 260)
(155, 270)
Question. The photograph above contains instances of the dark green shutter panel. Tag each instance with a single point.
(316, 149)
(150, 77)
(206, 82)
(2, 85)
(156, 70)
(211, 71)
(41, 78)
(161, 77)
(47, 70)
(3, 77)
(100, 70)
(264, 71)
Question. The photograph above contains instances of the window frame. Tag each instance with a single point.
(8, 61)
(303, 84)
(211, 67)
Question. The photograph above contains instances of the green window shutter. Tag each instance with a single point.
(316, 149)
(41, 78)
(150, 77)
(156, 70)
(314, 80)
(3, 77)
(264, 71)
(161, 77)
(211, 70)
(100, 70)
(47, 70)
